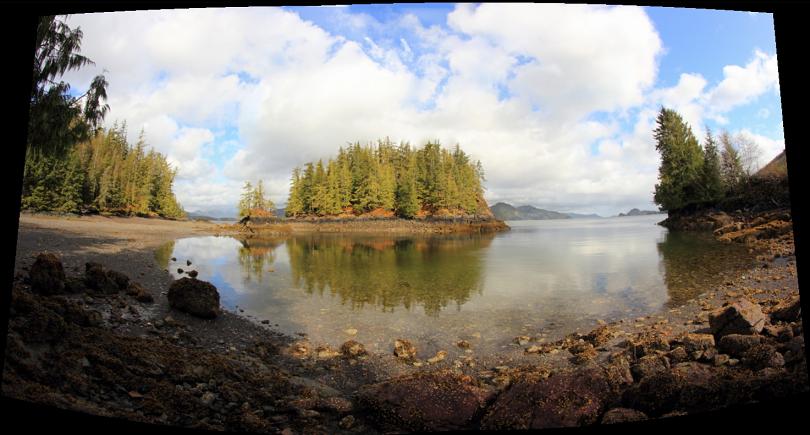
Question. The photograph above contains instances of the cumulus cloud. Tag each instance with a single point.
(522, 97)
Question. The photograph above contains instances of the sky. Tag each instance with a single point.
(557, 101)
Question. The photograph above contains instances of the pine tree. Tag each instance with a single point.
(295, 204)
(731, 169)
(710, 179)
(681, 162)
(246, 201)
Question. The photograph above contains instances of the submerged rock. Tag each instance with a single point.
(435, 401)
(47, 275)
(741, 317)
(194, 296)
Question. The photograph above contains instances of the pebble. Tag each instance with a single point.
(350, 331)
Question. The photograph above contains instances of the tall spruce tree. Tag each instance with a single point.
(681, 162)
(731, 169)
(710, 180)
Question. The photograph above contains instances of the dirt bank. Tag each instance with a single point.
(110, 354)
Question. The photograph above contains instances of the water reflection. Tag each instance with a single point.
(390, 272)
(256, 256)
(693, 263)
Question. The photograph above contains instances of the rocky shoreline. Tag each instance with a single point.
(367, 226)
(114, 353)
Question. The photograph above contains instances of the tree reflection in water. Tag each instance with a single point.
(257, 256)
(389, 272)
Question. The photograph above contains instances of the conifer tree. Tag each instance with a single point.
(711, 181)
(731, 169)
(681, 162)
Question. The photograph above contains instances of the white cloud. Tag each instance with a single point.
(741, 85)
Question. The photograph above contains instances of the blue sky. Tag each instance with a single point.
(557, 101)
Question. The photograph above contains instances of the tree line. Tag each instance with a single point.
(691, 174)
(103, 174)
(74, 165)
(397, 179)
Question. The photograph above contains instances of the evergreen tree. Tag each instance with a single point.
(731, 169)
(295, 205)
(681, 162)
(711, 181)
(246, 201)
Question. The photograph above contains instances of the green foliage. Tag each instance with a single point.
(731, 168)
(397, 179)
(681, 162)
(711, 182)
(253, 201)
(57, 121)
(104, 174)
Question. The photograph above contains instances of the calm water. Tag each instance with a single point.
(547, 277)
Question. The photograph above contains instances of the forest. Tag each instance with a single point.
(386, 180)
(104, 174)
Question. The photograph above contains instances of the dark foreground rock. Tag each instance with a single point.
(47, 275)
(623, 415)
(194, 296)
(741, 317)
(432, 401)
(573, 398)
(100, 280)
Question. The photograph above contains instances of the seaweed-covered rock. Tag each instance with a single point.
(787, 311)
(696, 342)
(194, 296)
(96, 278)
(121, 280)
(741, 317)
(47, 276)
(737, 344)
(762, 356)
(572, 398)
(352, 349)
(434, 401)
(648, 365)
(141, 294)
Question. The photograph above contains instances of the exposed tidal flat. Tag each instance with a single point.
(486, 317)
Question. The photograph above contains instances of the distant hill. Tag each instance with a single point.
(201, 217)
(637, 212)
(507, 212)
(583, 216)
(775, 168)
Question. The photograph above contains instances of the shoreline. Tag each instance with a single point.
(128, 247)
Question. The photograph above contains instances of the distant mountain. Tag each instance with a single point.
(637, 212)
(583, 216)
(507, 212)
(202, 217)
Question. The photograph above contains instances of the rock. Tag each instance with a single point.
(736, 345)
(599, 336)
(762, 356)
(47, 276)
(196, 297)
(121, 280)
(648, 365)
(721, 359)
(404, 349)
(192, 273)
(324, 352)
(782, 333)
(140, 294)
(623, 415)
(208, 398)
(434, 401)
(179, 270)
(678, 355)
(618, 372)
(440, 355)
(265, 322)
(340, 405)
(463, 344)
(346, 422)
(188, 262)
(350, 331)
(174, 259)
(96, 278)
(647, 343)
(522, 339)
(583, 352)
(299, 349)
(569, 398)
(656, 394)
(696, 342)
(741, 317)
(787, 311)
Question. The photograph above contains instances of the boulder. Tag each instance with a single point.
(121, 280)
(599, 336)
(762, 356)
(434, 401)
(569, 398)
(75, 285)
(737, 344)
(192, 273)
(97, 279)
(352, 349)
(741, 317)
(696, 342)
(404, 349)
(787, 311)
(648, 365)
(623, 415)
(140, 294)
(656, 394)
(47, 276)
(196, 297)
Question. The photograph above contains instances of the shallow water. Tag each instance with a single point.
(542, 277)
